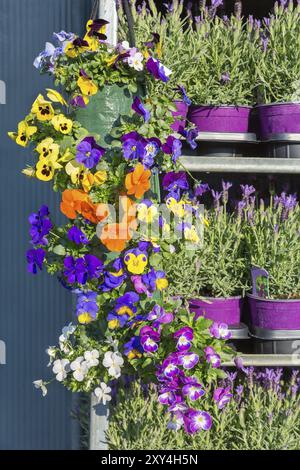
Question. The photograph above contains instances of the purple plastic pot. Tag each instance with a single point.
(221, 310)
(182, 110)
(220, 118)
(282, 118)
(274, 314)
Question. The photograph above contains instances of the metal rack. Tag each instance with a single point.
(267, 360)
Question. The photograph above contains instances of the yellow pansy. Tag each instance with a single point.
(85, 318)
(145, 213)
(100, 23)
(87, 86)
(46, 167)
(48, 148)
(25, 131)
(89, 180)
(161, 283)
(56, 97)
(76, 47)
(191, 234)
(43, 109)
(76, 171)
(135, 261)
(133, 354)
(176, 207)
(62, 124)
(93, 42)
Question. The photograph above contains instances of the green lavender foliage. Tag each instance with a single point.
(273, 243)
(261, 419)
(219, 267)
(278, 65)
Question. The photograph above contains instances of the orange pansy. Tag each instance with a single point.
(71, 202)
(138, 181)
(115, 236)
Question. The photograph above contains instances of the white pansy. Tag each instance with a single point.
(136, 61)
(68, 330)
(113, 361)
(41, 385)
(103, 393)
(124, 46)
(79, 368)
(60, 368)
(51, 351)
(92, 357)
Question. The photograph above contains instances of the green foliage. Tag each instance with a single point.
(278, 66)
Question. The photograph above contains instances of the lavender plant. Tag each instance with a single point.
(273, 241)
(218, 268)
(256, 411)
(278, 58)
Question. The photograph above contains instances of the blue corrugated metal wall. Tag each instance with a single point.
(33, 310)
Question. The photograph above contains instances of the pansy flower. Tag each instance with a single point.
(222, 396)
(195, 420)
(75, 47)
(158, 70)
(188, 360)
(89, 153)
(87, 307)
(25, 132)
(82, 269)
(166, 396)
(40, 226)
(140, 109)
(43, 109)
(115, 321)
(86, 84)
(56, 97)
(184, 338)
(139, 286)
(133, 146)
(45, 168)
(170, 366)
(152, 148)
(155, 280)
(158, 316)
(35, 259)
(172, 147)
(48, 148)
(113, 279)
(177, 207)
(220, 331)
(212, 357)
(190, 135)
(135, 60)
(174, 183)
(62, 124)
(76, 171)
(146, 211)
(137, 182)
(149, 339)
(77, 236)
(193, 390)
(79, 101)
(97, 27)
(185, 98)
(136, 261)
(133, 348)
(125, 304)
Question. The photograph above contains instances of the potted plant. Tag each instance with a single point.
(212, 278)
(273, 247)
(278, 72)
(220, 76)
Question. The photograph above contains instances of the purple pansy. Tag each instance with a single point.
(138, 284)
(169, 366)
(133, 347)
(184, 338)
(112, 280)
(149, 339)
(195, 420)
(81, 269)
(140, 109)
(188, 360)
(40, 226)
(35, 259)
(87, 304)
(220, 331)
(201, 189)
(222, 396)
(159, 316)
(77, 236)
(133, 146)
(172, 147)
(89, 152)
(190, 135)
(212, 357)
(78, 102)
(158, 70)
(193, 391)
(125, 304)
(185, 98)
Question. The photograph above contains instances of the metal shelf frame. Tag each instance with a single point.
(267, 360)
(241, 164)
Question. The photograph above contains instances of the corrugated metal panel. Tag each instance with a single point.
(32, 309)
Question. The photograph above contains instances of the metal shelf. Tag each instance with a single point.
(241, 165)
(267, 360)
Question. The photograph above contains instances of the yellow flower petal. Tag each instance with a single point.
(56, 97)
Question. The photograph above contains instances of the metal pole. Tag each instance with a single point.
(98, 424)
(108, 12)
(99, 413)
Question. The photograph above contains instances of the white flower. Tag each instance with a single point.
(124, 46)
(68, 330)
(113, 361)
(112, 342)
(80, 368)
(51, 351)
(42, 385)
(103, 393)
(92, 358)
(136, 61)
(60, 368)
